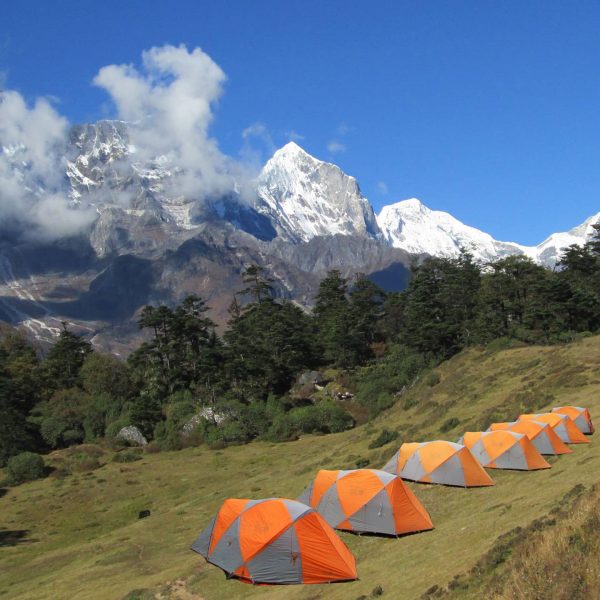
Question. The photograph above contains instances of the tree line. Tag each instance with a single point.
(241, 380)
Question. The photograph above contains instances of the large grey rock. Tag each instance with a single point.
(132, 435)
(312, 377)
(206, 414)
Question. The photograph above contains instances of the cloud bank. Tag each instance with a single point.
(168, 102)
(32, 150)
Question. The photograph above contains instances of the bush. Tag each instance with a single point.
(501, 343)
(385, 437)
(432, 379)
(152, 448)
(113, 428)
(81, 462)
(126, 457)
(378, 384)
(324, 417)
(449, 424)
(26, 466)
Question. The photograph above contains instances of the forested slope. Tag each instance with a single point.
(79, 536)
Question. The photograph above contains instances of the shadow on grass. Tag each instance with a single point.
(13, 537)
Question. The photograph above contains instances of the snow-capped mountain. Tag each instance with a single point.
(305, 198)
(149, 242)
(548, 252)
(413, 227)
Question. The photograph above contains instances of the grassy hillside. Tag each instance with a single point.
(79, 537)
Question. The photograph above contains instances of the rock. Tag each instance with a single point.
(312, 378)
(207, 414)
(143, 514)
(132, 435)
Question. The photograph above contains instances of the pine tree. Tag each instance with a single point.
(63, 362)
(333, 321)
(259, 285)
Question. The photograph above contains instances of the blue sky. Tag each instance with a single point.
(488, 110)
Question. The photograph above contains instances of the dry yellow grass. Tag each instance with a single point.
(84, 540)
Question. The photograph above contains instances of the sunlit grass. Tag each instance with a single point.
(85, 541)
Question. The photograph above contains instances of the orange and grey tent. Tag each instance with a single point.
(563, 425)
(366, 500)
(542, 436)
(438, 462)
(275, 540)
(581, 416)
(503, 449)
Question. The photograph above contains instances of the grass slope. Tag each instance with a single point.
(80, 536)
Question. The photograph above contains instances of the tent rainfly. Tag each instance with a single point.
(273, 541)
(504, 450)
(542, 436)
(581, 416)
(366, 500)
(438, 462)
(563, 425)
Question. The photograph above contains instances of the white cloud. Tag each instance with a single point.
(343, 129)
(335, 147)
(170, 102)
(32, 186)
(255, 130)
(259, 131)
(382, 187)
(294, 136)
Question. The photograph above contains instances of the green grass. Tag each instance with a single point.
(85, 541)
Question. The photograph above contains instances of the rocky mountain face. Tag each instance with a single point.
(150, 244)
(306, 198)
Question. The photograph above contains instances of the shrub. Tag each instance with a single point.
(432, 379)
(378, 384)
(81, 462)
(324, 417)
(113, 428)
(26, 466)
(449, 424)
(501, 343)
(126, 457)
(152, 448)
(385, 437)
(362, 462)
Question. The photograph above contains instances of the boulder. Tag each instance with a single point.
(312, 378)
(207, 414)
(132, 435)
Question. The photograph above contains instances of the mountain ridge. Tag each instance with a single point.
(304, 217)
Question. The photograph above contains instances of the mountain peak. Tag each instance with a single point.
(408, 205)
(292, 150)
(307, 197)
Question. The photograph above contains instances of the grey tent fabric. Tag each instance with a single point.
(202, 544)
(449, 472)
(279, 561)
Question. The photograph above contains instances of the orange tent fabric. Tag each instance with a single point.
(580, 415)
(504, 450)
(542, 436)
(563, 425)
(438, 462)
(366, 500)
(275, 540)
